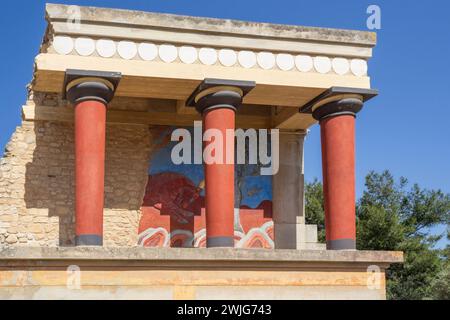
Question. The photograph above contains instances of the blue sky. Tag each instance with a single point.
(406, 129)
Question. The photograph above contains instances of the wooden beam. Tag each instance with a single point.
(183, 109)
(290, 118)
(65, 114)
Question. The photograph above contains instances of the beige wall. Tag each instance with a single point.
(37, 184)
(185, 283)
(192, 273)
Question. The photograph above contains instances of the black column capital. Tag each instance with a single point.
(338, 101)
(82, 85)
(219, 93)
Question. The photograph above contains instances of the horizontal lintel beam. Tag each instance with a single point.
(65, 114)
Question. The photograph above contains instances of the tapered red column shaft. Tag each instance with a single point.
(219, 179)
(90, 124)
(338, 165)
(217, 101)
(336, 110)
(89, 92)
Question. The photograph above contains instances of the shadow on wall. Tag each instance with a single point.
(50, 183)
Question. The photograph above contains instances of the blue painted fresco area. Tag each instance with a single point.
(255, 189)
(251, 188)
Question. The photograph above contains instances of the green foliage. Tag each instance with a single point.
(392, 217)
(314, 210)
(413, 279)
(440, 286)
(378, 228)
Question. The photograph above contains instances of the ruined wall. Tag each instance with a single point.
(127, 155)
(37, 190)
(37, 184)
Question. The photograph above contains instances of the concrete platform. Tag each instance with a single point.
(160, 273)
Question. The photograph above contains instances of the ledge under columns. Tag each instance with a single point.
(192, 273)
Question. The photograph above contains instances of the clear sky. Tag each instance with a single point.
(406, 129)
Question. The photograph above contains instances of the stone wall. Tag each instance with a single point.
(37, 184)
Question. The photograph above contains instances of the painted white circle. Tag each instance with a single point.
(358, 67)
(84, 46)
(304, 63)
(127, 49)
(266, 60)
(322, 64)
(105, 48)
(247, 59)
(168, 53)
(207, 56)
(63, 44)
(285, 61)
(340, 65)
(147, 51)
(188, 54)
(227, 57)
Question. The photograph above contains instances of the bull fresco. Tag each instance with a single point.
(173, 213)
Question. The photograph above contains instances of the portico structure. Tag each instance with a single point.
(93, 145)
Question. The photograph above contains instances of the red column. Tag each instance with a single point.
(90, 122)
(338, 165)
(219, 180)
(89, 92)
(217, 100)
(336, 110)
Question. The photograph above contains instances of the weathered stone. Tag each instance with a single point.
(11, 239)
(37, 183)
(36, 228)
(12, 230)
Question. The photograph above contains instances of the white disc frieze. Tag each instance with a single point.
(127, 49)
(285, 61)
(247, 59)
(303, 63)
(340, 65)
(322, 64)
(227, 57)
(207, 56)
(188, 54)
(168, 53)
(84, 46)
(358, 67)
(147, 51)
(266, 60)
(63, 44)
(105, 48)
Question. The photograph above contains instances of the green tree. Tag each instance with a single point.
(392, 217)
(440, 287)
(314, 210)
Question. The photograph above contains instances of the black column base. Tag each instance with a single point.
(88, 240)
(220, 242)
(341, 244)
